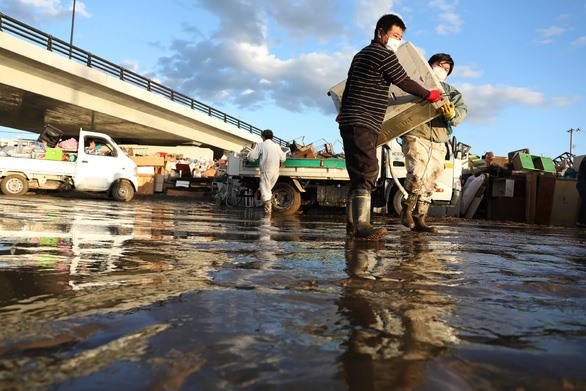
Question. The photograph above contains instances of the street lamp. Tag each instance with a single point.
(72, 27)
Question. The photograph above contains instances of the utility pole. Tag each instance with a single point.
(571, 131)
(72, 27)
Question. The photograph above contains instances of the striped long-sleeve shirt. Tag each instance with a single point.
(365, 97)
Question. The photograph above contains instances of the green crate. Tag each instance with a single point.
(523, 162)
(53, 154)
(543, 164)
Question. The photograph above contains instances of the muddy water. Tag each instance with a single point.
(163, 293)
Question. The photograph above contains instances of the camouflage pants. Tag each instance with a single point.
(424, 161)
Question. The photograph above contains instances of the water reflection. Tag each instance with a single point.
(65, 256)
(397, 310)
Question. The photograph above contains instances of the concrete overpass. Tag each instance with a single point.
(44, 80)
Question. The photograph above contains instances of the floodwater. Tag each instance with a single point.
(165, 294)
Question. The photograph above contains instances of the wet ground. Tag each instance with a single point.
(167, 293)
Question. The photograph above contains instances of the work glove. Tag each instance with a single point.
(434, 96)
(448, 110)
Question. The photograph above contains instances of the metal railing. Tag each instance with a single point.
(55, 45)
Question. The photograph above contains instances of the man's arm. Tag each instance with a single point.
(394, 73)
(254, 154)
(412, 87)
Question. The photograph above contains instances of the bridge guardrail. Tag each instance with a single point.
(56, 45)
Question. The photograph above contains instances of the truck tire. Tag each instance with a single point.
(14, 185)
(286, 198)
(122, 191)
(397, 199)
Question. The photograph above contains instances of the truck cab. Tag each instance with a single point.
(93, 164)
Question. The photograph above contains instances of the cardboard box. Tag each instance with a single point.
(146, 170)
(155, 161)
(53, 154)
(159, 183)
(146, 184)
(500, 160)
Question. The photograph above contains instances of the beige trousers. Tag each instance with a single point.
(424, 161)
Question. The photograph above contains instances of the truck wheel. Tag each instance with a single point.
(286, 198)
(122, 191)
(14, 185)
(397, 199)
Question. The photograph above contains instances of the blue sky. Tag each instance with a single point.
(519, 63)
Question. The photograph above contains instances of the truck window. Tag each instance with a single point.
(98, 146)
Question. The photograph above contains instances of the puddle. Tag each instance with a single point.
(164, 293)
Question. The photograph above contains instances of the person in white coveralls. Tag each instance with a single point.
(270, 157)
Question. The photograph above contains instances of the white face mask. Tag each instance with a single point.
(440, 73)
(393, 44)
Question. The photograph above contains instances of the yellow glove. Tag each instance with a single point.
(448, 110)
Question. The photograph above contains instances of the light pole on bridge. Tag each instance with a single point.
(72, 27)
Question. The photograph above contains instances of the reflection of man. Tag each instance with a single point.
(270, 157)
(396, 312)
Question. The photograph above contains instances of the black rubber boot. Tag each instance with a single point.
(419, 218)
(361, 216)
(349, 218)
(407, 210)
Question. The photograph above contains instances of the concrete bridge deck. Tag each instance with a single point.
(47, 81)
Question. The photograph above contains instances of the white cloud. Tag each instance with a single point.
(451, 21)
(303, 19)
(452, 24)
(369, 11)
(565, 101)
(31, 11)
(443, 5)
(246, 72)
(551, 31)
(547, 35)
(486, 101)
(581, 41)
(466, 71)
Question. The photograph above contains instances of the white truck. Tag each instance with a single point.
(325, 181)
(110, 170)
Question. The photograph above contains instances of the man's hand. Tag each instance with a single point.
(448, 110)
(434, 96)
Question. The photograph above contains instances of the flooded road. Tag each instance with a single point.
(164, 293)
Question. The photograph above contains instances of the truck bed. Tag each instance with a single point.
(295, 168)
(36, 166)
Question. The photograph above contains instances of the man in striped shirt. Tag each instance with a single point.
(364, 105)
